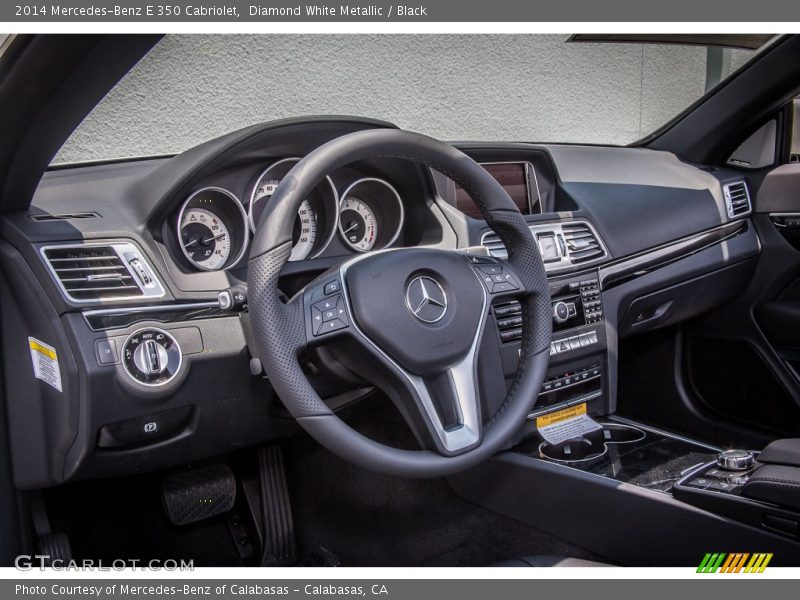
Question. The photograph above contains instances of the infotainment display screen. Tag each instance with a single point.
(515, 179)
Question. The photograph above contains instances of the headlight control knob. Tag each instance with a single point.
(735, 460)
(151, 356)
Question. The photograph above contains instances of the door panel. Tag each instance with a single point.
(744, 360)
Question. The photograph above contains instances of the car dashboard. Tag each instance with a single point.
(117, 268)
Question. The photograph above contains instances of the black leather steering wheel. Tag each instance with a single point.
(415, 316)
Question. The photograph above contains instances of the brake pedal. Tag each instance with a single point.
(198, 493)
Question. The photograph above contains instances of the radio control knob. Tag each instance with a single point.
(560, 312)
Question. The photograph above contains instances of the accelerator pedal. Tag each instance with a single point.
(279, 547)
(198, 493)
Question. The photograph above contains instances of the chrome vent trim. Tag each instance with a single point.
(101, 272)
(578, 242)
(737, 199)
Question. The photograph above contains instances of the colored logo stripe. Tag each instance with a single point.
(734, 563)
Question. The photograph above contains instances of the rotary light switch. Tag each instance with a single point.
(151, 356)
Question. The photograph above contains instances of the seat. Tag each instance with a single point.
(544, 560)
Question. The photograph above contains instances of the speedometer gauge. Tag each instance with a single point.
(370, 215)
(212, 229)
(205, 238)
(358, 224)
(316, 219)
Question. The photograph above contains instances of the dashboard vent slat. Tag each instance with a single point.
(582, 244)
(737, 199)
(101, 273)
(509, 321)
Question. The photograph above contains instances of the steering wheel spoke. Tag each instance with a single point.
(444, 409)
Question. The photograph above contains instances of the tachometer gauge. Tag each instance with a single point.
(212, 229)
(358, 224)
(205, 238)
(316, 218)
(370, 215)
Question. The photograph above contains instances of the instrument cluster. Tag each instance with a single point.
(214, 226)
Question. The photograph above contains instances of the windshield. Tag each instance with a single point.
(542, 88)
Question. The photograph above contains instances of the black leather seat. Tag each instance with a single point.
(544, 560)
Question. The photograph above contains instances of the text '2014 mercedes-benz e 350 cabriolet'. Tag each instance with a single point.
(237, 334)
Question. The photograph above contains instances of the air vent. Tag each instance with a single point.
(582, 243)
(563, 245)
(509, 321)
(64, 217)
(102, 273)
(737, 199)
(494, 246)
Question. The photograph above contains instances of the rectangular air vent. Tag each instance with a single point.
(562, 245)
(102, 272)
(509, 321)
(737, 199)
(582, 243)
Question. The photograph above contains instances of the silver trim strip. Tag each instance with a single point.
(245, 232)
(126, 251)
(670, 252)
(126, 310)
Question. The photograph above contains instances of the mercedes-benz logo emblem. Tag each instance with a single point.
(426, 300)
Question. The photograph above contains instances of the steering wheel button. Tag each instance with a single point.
(316, 320)
(505, 286)
(327, 304)
(493, 270)
(332, 287)
(334, 325)
(329, 315)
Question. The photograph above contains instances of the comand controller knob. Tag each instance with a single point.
(735, 460)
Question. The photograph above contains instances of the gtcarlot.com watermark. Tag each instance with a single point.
(42, 562)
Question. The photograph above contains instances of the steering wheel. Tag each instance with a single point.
(414, 317)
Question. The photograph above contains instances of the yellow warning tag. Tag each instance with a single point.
(561, 415)
(45, 363)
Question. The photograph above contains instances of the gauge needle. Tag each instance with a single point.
(208, 240)
(349, 229)
(194, 242)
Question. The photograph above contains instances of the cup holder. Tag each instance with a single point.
(591, 446)
(571, 451)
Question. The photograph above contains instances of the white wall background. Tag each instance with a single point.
(456, 87)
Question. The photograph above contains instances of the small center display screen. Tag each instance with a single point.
(514, 179)
(548, 247)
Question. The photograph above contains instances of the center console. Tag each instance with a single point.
(578, 361)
